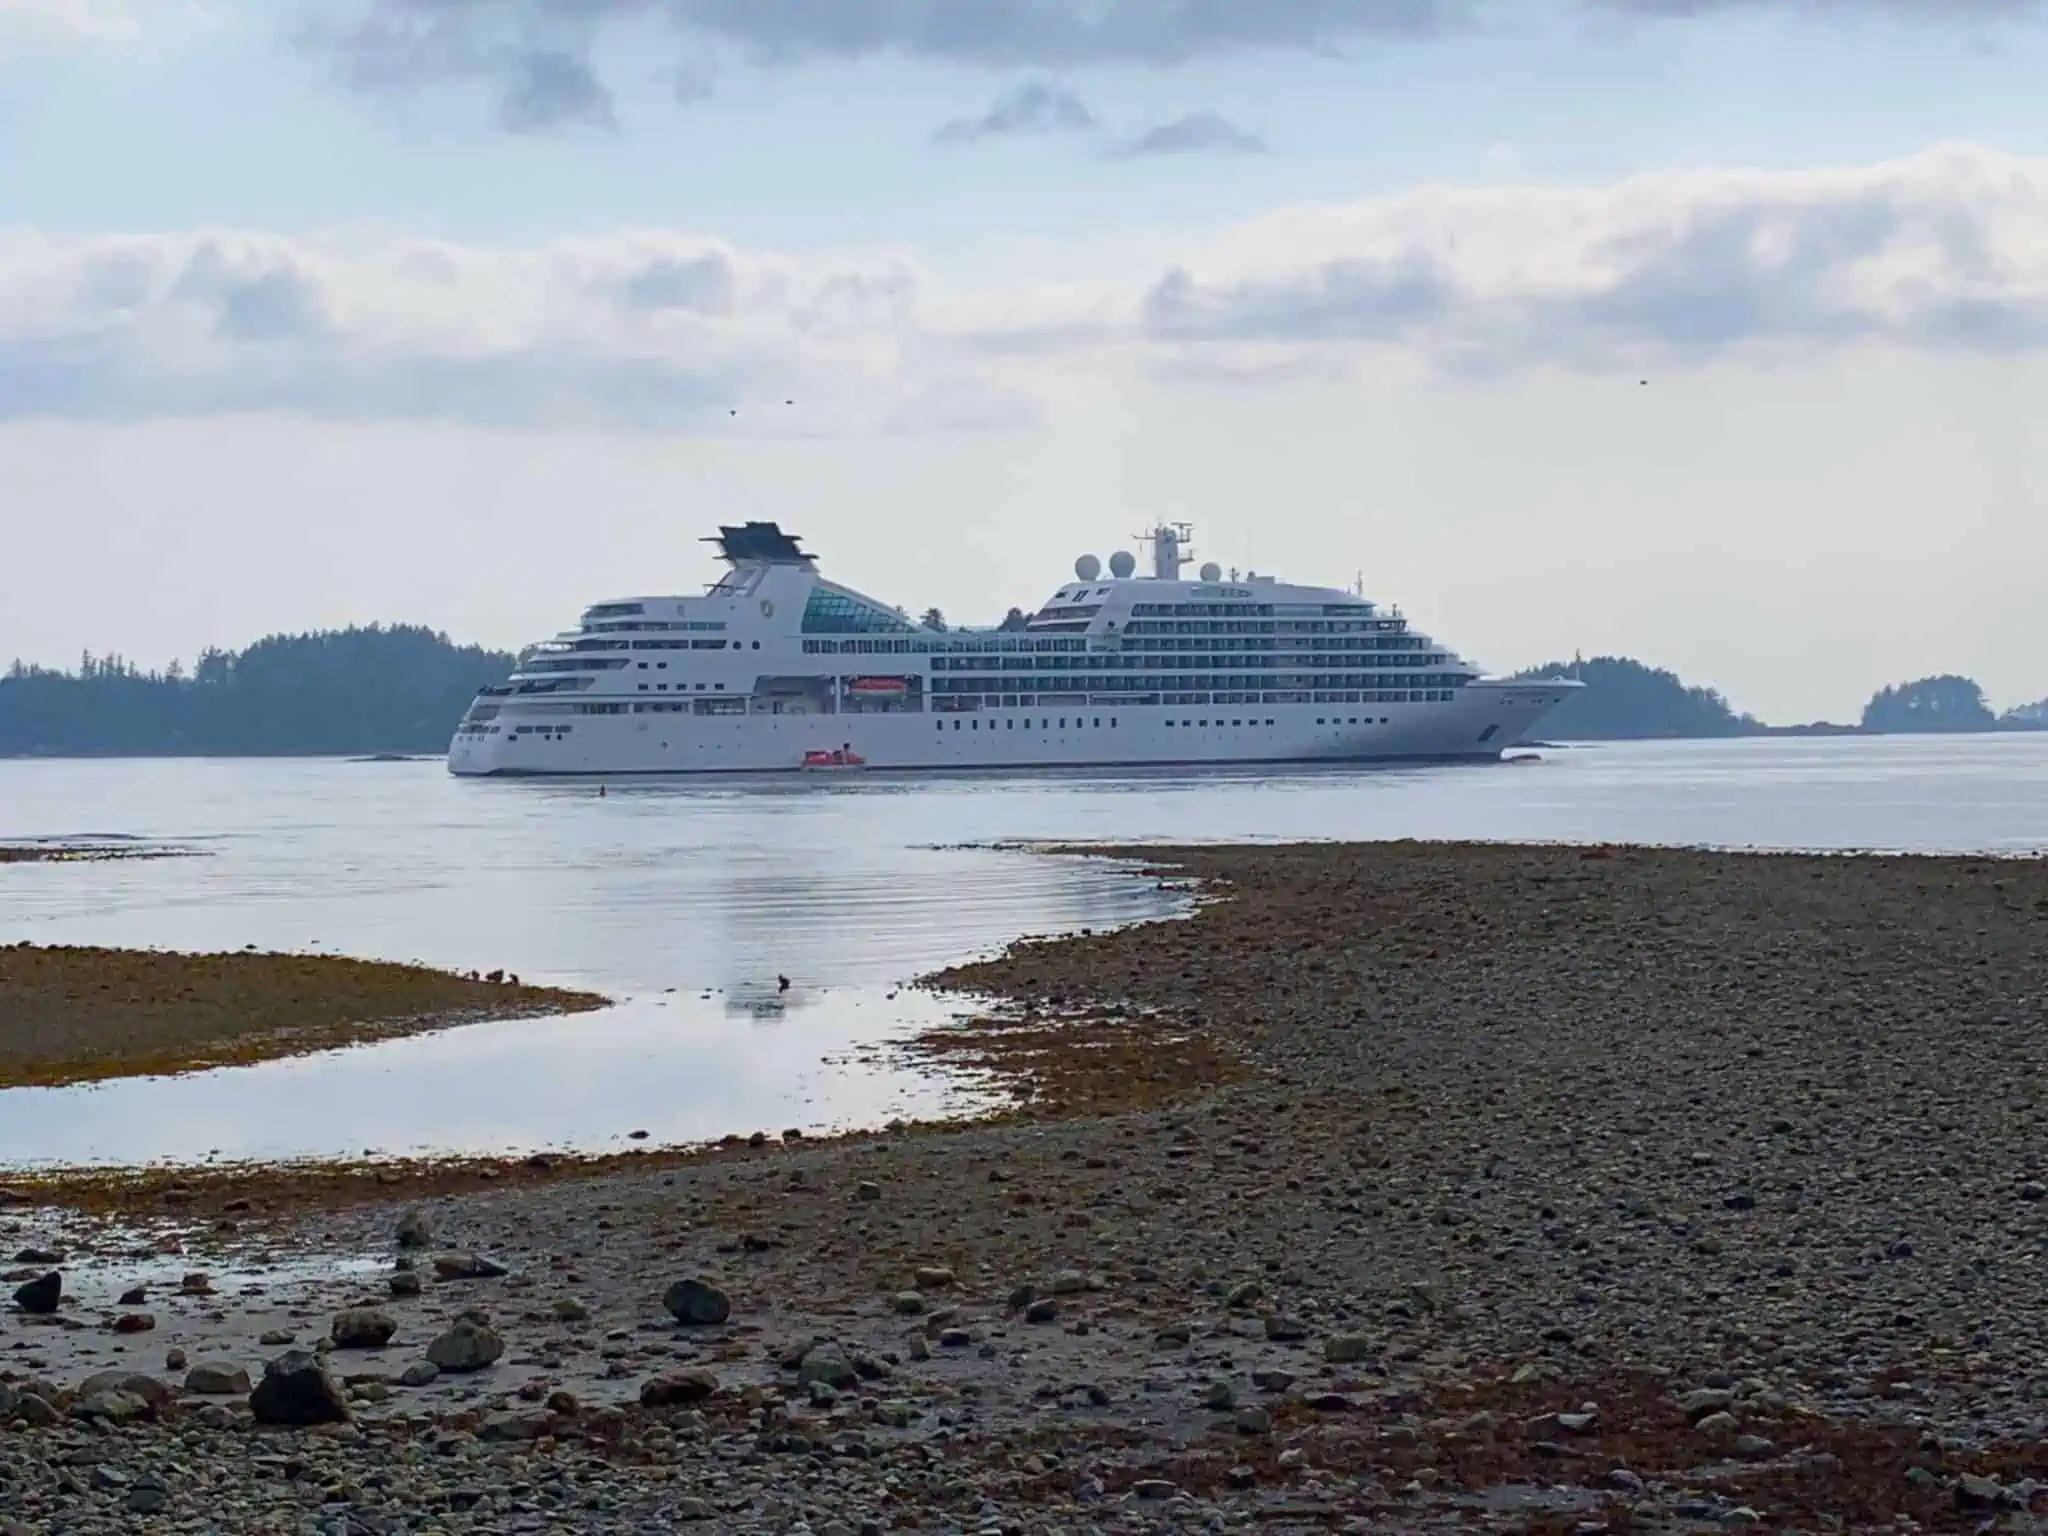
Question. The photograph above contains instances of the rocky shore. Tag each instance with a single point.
(73, 1013)
(1401, 1187)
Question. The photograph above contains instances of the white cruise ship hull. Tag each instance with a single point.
(1475, 723)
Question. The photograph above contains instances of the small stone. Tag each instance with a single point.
(414, 1231)
(1243, 1295)
(1754, 1447)
(468, 1346)
(174, 1359)
(1069, 1282)
(563, 1402)
(274, 1337)
(867, 1189)
(909, 1303)
(1242, 1478)
(148, 1499)
(1219, 1397)
(1268, 1380)
(674, 1388)
(1153, 1488)
(297, 1390)
(1043, 1310)
(1347, 1348)
(196, 1284)
(467, 1266)
(697, 1302)
(955, 1338)
(1254, 1421)
(568, 1309)
(404, 1283)
(211, 1378)
(41, 1295)
(134, 1322)
(512, 1425)
(134, 1296)
(421, 1373)
(934, 1278)
(1285, 1330)
(362, 1328)
(1718, 1426)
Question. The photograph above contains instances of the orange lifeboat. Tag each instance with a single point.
(834, 757)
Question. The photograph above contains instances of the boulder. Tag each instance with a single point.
(468, 1346)
(467, 1266)
(678, 1386)
(697, 1302)
(363, 1328)
(213, 1378)
(827, 1363)
(41, 1294)
(296, 1389)
(154, 1393)
(110, 1407)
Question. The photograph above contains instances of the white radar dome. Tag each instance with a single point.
(1212, 572)
(1087, 567)
(1122, 563)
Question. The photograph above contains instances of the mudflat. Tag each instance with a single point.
(1401, 1186)
(75, 1013)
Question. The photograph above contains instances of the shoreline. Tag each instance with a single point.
(1546, 1187)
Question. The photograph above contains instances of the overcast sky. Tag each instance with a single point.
(1710, 333)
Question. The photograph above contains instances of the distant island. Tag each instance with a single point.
(379, 691)
(345, 693)
(1627, 700)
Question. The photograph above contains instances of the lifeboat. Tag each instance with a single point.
(834, 757)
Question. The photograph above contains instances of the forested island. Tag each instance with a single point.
(400, 689)
(337, 692)
(1626, 700)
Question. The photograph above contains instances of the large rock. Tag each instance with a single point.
(213, 1378)
(468, 1346)
(467, 1266)
(110, 1407)
(296, 1389)
(680, 1385)
(41, 1294)
(827, 1363)
(154, 1393)
(697, 1301)
(363, 1328)
(414, 1230)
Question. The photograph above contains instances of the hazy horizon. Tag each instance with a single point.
(1706, 339)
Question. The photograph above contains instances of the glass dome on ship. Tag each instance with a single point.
(774, 667)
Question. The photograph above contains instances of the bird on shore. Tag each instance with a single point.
(781, 983)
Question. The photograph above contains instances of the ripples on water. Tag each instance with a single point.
(847, 886)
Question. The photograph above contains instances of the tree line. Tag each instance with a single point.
(402, 688)
(334, 692)
(1626, 700)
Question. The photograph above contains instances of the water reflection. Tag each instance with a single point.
(679, 1068)
(692, 900)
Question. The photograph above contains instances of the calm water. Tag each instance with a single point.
(687, 900)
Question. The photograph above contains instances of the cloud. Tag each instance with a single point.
(1942, 252)
(552, 88)
(1199, 133)
(1948, 249)
(1032, 107)
(408, 44)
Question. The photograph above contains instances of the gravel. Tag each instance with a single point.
(1547, 1189)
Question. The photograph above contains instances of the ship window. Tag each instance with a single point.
(956, 725)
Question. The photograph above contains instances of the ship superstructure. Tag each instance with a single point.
(774, 667)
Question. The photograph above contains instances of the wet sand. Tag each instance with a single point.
(1401, 1186)
(78, 1014)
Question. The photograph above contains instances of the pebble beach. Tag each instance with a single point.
(1397, 1187)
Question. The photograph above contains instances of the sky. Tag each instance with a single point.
(1710, 332)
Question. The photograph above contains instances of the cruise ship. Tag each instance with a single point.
(776, 668)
